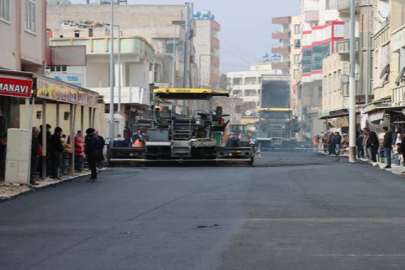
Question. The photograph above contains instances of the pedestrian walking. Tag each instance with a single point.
(360, 144)
(337, 139)
(91, 151)
(56, 149)
(35, 154)
(325, 143)
(79, 151)
(101, 145)
(387, 145)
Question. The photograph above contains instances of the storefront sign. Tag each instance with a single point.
(15, 87)
(52, 90)
(75, 79)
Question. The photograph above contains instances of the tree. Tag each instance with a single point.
(223, 82)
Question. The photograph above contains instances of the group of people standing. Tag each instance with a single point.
(330, 143)
(368, 144)
(90, 146)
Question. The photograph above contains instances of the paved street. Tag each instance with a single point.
(292, 211)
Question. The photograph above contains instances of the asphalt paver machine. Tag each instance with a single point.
(185, 139)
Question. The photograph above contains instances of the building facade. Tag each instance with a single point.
(247, 85)
(207, 49)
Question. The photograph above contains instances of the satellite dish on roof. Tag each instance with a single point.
(248, 113)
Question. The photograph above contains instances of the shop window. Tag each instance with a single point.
(30, 16)
(5, 10)
(39, 114)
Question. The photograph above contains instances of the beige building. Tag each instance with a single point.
(162, 26)
(207, 48)
(295, 59)
(24, 25)
(288, 51)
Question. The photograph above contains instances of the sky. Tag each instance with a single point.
(245, 26)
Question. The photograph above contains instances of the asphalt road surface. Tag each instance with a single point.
(294, 210)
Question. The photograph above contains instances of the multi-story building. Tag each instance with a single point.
(24, 56)
(163, 26)
(207, 49)
(247, 85)
(322, 28)
(288, 51)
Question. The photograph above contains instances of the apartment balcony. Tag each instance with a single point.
(343, 47)
(281, 50)
(282, 20)
(215, 42)
(281, 65)
(344, 5)
(129, 95)
(311, 16)
(281, 35)
(398, 96)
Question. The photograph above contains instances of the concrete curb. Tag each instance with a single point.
(45, 184)
(398, 170)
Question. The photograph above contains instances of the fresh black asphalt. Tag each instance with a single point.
(294, 210)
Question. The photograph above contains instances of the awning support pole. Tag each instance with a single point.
(57, 114)
(44, 140)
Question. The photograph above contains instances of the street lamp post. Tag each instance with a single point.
(352, 92)
(111, 133)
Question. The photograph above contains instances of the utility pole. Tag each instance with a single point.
(352, 92)
(174, 57)
(368, 75)
(112, 74)
(186, 55)
(119, 68)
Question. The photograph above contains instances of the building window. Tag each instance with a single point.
(237, 81)
(297, 59)
(331, 4)
(297, 44)
(297, 29)
(30, 16)
(5, 10)
(250, 93)
(58, 69)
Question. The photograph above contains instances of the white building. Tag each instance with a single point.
(207, 47)
(247, 85)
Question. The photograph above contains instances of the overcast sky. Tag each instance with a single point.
(246, 26)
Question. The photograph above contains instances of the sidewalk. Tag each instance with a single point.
(11, 190)
(398, 170)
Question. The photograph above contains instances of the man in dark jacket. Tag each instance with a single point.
(388, 146)
(337, 140)
(48, 154)
(101, 145)
(55, 150)
(35, 151)
(372, 143)
(91, 150)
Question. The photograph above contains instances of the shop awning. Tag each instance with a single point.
(189, 93)
(57, 91)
